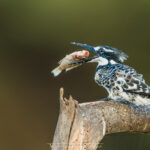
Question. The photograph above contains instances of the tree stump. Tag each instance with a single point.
(83, 126)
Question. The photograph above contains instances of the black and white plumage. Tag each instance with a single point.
(121, 81)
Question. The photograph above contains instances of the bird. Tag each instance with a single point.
(121, 81)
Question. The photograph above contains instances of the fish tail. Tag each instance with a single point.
(56, 71)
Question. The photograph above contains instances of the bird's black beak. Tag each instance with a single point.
(85, 60)
(91, 48)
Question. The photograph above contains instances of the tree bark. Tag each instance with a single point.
(83, 126)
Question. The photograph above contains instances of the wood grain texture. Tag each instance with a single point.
(83, 126)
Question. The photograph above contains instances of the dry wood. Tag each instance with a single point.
(83, 126)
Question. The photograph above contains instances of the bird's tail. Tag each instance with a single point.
(56, 71)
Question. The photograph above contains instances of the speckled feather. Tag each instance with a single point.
(123, 82)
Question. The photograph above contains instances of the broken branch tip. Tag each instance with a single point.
(61, 93)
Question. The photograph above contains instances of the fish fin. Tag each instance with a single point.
(56, 71)
(63, 59)
(68, 69)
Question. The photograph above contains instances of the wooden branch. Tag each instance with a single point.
(83, 126)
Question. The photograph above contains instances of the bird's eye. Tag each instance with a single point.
(101, 49)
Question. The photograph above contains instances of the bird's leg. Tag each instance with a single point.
(123, 101)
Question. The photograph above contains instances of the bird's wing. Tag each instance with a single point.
(132, 82)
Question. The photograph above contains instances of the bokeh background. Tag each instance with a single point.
(34, 35)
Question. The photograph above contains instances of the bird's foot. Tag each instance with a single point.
(123, 101)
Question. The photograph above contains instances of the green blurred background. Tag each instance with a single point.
(34, 35)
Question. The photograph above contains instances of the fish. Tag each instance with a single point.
(70, 61)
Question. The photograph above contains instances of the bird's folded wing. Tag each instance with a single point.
(133, 83)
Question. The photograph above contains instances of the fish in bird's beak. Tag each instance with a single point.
(75, 59)
(70, 61)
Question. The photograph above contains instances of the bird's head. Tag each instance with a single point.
(105, 54)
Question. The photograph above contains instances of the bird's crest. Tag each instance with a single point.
(114, 53)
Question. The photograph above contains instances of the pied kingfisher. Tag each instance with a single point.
(120, 81)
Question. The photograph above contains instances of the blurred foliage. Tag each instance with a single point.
(34, 35)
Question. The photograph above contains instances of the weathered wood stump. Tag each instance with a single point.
(83, 126)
